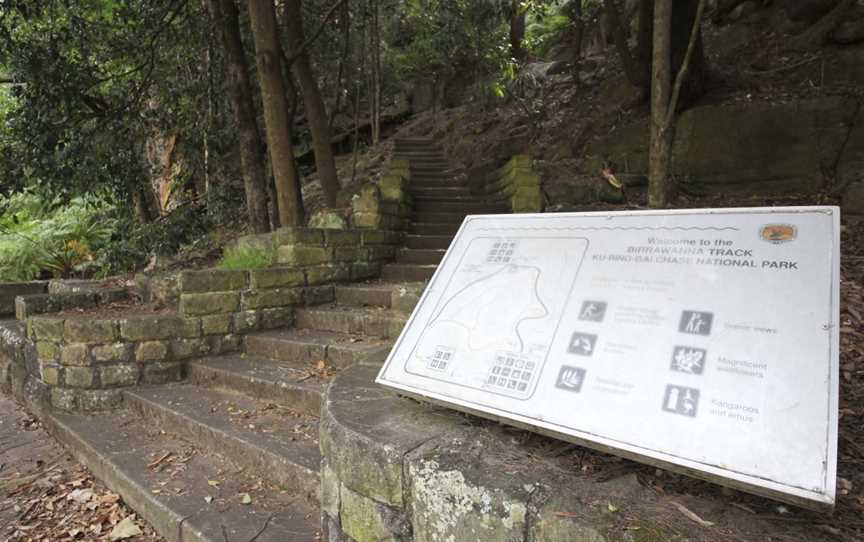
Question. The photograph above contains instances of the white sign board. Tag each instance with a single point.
(704, 341)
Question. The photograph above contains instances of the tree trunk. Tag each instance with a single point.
(517, 30)
(638, 64)
(577, 27)
(684, 17)
(665, 96)
(375, 75)
(262, 17)
(660, 151)
(252, 159)
(316, 113)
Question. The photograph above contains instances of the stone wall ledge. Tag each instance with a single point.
(397, 469)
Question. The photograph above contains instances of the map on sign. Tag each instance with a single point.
(698, 340)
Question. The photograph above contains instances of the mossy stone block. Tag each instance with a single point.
(265, 299)
(244, 321)
(303, 255)
(46, 328)
(216, 324)
(328, 273)
(149, 351)
(75, 354)
(47, 351)
(148, 327)
(111, 352)
(213, 280)
(79, 377)
(209, 303)
(90, 330)
(276, 277)
(365, 520)
(119, 375)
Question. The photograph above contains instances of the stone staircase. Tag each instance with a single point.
(232, 453)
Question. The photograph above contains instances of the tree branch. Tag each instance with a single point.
(685, 65)
(315, 35)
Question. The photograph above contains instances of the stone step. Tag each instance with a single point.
(435, 183)
(407, 271)
(428, 228)
(427, 150)
(417, 145)
(440, 192)
(420, 170)
(296, 386)
(433, 176)
(420, 256)
(474, 207)
(399, 296)
(440, 217)
(428, 241)
(307, 347)
(373, 322)
(188, 496)
(416, 148)
(268, 441)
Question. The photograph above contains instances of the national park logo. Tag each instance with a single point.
(778, 233)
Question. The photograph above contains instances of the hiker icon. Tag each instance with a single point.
(593, 311)
(696, 322)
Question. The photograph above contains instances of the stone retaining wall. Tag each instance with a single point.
(10, 290)
(403, 471)
(386, 204)
(516, 181)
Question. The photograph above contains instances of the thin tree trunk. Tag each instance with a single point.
(262, 16)
(517, 30)
(664, 99)
(343, 61)
(660, 150)
(577, 24)
(316, 113)
(252, 159)
(375, 72)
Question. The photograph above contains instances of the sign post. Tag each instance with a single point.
(703, 341)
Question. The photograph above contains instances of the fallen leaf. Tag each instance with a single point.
(208, 499)
(246, 499)
(80, 496)
(125, 529)
(611, 507)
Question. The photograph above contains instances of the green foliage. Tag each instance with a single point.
(132, 245)
(246, 257)
(439, 40)
(543, 33)
(37, 239)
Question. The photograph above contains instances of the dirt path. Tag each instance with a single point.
(45, 495)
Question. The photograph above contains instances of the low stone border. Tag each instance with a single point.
(397, 469)
(515, 181)
(386, 204)
(10, 290)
